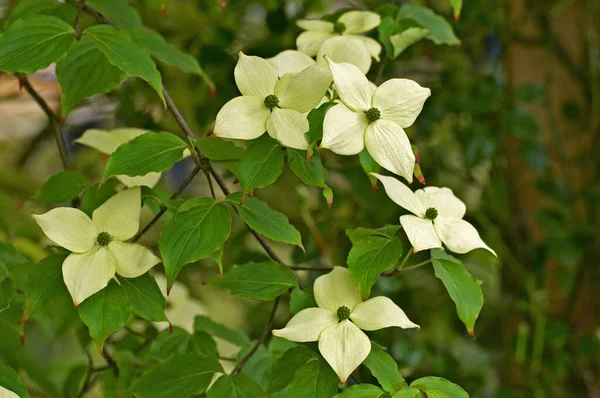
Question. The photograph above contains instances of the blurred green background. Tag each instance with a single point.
(512, 126)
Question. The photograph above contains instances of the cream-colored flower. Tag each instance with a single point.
(108, 141)
(373, 118)
(272, 104)
(341, 41)
(437, 218)
(337, 322)
(98, 244)
(5, 393)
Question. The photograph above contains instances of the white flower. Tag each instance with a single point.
(338, 321)
(270, 103)
(97, 245)
(438, 218)
(5, 393)
(341, 41)
(374, 118)
(108, 141)
(182, 307)
(290, 61)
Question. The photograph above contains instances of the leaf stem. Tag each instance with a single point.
(415, 266)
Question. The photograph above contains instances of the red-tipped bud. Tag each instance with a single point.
(375, 186)
(213, 92)
(170, 328)
(419, 174)
(22, 338)
(456, 17)
(308, 155)
(242, 199)
(61, 121)
(328, 194)
(22, 320)
(472, 333)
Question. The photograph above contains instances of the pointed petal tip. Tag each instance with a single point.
(75, 305)
(22, 339)
(170, 328)
(213, 92)
(472, 334)
(163, 11)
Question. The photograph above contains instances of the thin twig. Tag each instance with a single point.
(379, 74)
(79, 5)
(260, 341)
(163, 209)
(52, 118)
(210, 183)
(294, 268)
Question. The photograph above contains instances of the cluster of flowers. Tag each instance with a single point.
(277, 95)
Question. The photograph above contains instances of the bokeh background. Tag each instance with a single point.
(512, 126)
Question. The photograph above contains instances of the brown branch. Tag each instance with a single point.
(52, 118)
(163, 209)
(261, 339)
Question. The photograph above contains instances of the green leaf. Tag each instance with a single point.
(301, 299)
(238, 386)
(145, 297)
(315, 122)
(119, 11)
(408, 393)
(170, 341)
(126, 55)
(369, 258)
(74, 72)
(440, 31)
(221, 152)
(463, 289)
(369, 165)
(436, 387)
(7, 291)
(362, 391)
(310, 172)
(359, 234)
(218, 257)
(168, 54)
(181, 376)
(76, 381)
(10, 256)
(315, 379)
(205, 324)
(199, 228)
(62, 187)
(105, 312)
(261, 164)
(457, 7)
(266, 221)
(264, 281)
(10, 380)
(202, 343)
(26, 8)
(409, 36)
(33, 43)
(150, 152)
(47, 285)
(385, 370)
(283, 369)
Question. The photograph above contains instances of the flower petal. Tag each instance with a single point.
(310, 42)
(243, 118)
(101, 140)
(359, 21)
(288, 127)
(254, 76)
(378, 313)
(344, 346)
(307, 325)
(371, 45)
(120, 215)
(126, 134)
(303, 91)
(316, 25)
(131, 260)
(68, 227)
(458, 235)
(351, 85)
(148, 180)
(420, 233)
(443, 200)
(6, 393)
(400, 100)
(345, 49)
(88, 273)
(336, 289)
(344, 130)
(290, 61)
(389, 146)
(401, 194)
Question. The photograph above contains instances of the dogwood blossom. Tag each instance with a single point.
(337, 322)
(341, 41)
(271, 103)
(6, 393)
(108, 141)
(437, 217)
(98, 244)
(373, 118)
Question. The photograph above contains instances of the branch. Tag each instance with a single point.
(52, 118)
(261, 339)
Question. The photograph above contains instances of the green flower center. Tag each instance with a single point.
(343, 313)
(431, 213)
(339, 27)
(373, 114)
(103, 238)
(271, 101)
